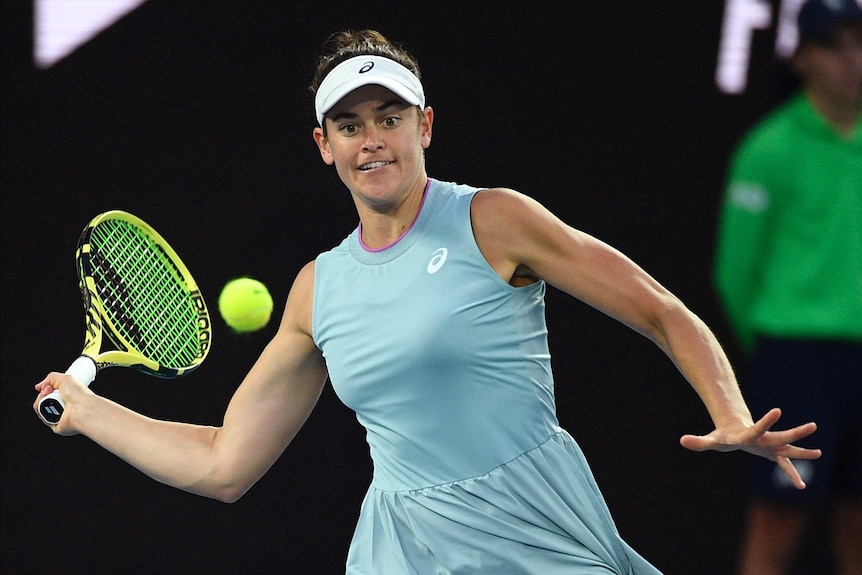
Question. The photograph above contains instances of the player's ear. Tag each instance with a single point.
(323, 145)
(426, 121)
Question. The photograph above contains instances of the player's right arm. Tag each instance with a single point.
(263, 416)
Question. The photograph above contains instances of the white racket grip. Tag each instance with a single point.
(83, 370)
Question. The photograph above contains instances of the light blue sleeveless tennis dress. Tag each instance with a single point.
(447, 367)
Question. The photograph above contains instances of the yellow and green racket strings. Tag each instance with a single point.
(143, 294)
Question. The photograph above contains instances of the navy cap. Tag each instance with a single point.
(818, 17)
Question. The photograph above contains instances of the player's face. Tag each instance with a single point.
(376, 142)
(834, 68)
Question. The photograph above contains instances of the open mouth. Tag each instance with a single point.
(373, 165)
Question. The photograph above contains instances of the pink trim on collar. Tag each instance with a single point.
(399, 238)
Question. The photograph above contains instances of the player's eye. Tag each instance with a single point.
(391, 121)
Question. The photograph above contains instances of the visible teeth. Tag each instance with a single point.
(372, 165)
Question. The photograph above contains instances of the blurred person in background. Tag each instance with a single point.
(788, 271)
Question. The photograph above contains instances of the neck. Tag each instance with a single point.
(842, 115)
(381, 229)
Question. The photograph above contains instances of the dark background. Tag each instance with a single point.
(195, 116)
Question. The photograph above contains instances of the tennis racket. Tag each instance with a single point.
(138, 292)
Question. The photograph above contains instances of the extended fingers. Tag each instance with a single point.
(765, 423)
(787, 467)
(794, 452)
(762, 428)
(696, 442)
(789, 436)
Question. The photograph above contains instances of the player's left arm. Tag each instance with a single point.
(520, 238)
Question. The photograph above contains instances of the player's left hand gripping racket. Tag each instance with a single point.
(138, 292)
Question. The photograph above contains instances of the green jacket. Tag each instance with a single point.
(789, 247)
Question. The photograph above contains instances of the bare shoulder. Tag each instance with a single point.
(509, 208)
(305, 277)
(298, 310)
(303, 285)
(505, 222)
(500, 202)
(500, 212)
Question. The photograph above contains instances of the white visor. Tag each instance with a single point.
(361, 71)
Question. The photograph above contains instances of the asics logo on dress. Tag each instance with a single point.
(438, 258)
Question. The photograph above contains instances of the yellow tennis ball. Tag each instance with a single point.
(245, 304)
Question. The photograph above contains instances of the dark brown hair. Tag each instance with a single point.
(344, 45)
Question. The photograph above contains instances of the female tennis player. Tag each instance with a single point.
(428, 319)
